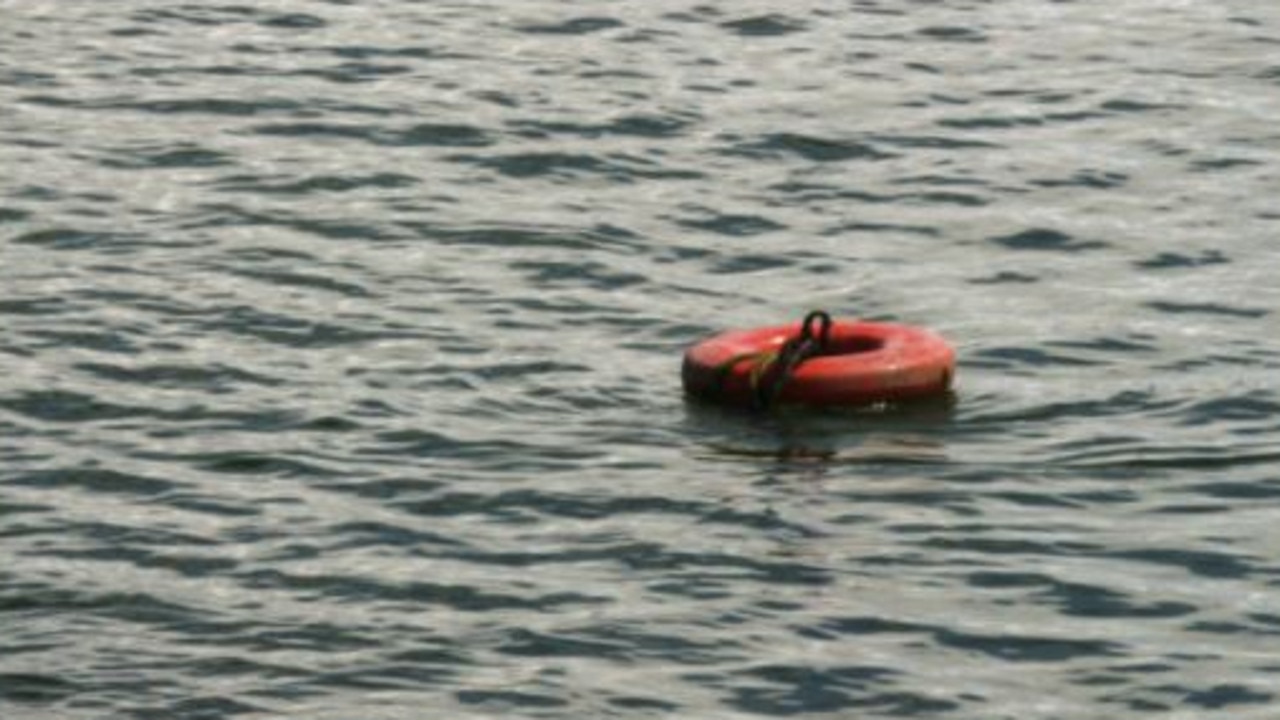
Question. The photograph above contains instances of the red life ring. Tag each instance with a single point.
(859, 363)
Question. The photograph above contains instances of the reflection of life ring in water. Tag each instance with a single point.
(820, 362)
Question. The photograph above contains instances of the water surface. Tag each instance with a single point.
(339, 351)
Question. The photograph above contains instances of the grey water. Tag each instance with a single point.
(340, 343)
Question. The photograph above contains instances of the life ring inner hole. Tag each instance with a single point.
(853, 344)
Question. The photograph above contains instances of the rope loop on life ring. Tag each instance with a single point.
(769, 377)
(772, 369)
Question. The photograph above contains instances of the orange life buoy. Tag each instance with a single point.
(850, 363)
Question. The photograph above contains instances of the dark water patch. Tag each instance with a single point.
(221, 15)
(295, 332)
(317, 129)
(212, 378)
(808, 147)
(998, 546)
(432, 652)
(707, 568)
(1043, 500)
(201, 15)
(221, 215)
(354, 72)
(208, 505)
(616, 167)
(598, 237)
(931, 69)
(1006, 277)
(202, 708)
(132, 607)
(1074, 116)
(178, 155)
(1211, 627)
(405, 677)
(294, 21)
(1180, 308)
(953, 33)
(294, 637)
(946, 198)
(1228, 490)
(576, 26)
(1201, 563)
(509, 700)
(1165, 148)
(1130, 344)
(13, 215)
(98, 480)
(637, 703)
(1257, 406)
(227, 71)
(593, 508)
(190, 566)
(1013, 357)
(114, 537)
(253, 463)
(587, 550)
(1046, 239)
(64, 406)
(287, 278)
(43, 193)
(1219, 360)
(1129, 105)
(770, 25)
(419, 135)
(735, 225)
(931, 142)
(1227, 695)
(513, 370)
(67, 239)
(1098, 180)
(801, 689)
(1170, 260)
(1270, 622)
(367, 533)
(745, 263)
(134, 32)
(15, 77)
(32, 688)
(509, 452)
(618, 643)
(202, 106)
(8, 507)
(1028, 648)
(364, 52)
(354, 589)
(813, 192)
(1188, 457)
(876, 227)
(578, 274)
(46, 100)
(1008, 647)
(1217, 164)
(385, 489)
(34, 306)
(647, 126)
(1079, 599)
(256, 184)
(989, 122)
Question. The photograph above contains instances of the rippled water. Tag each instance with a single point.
(339, 350)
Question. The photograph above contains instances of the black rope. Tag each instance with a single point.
(772, 375)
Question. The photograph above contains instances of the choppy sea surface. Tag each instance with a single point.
(340, 342)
